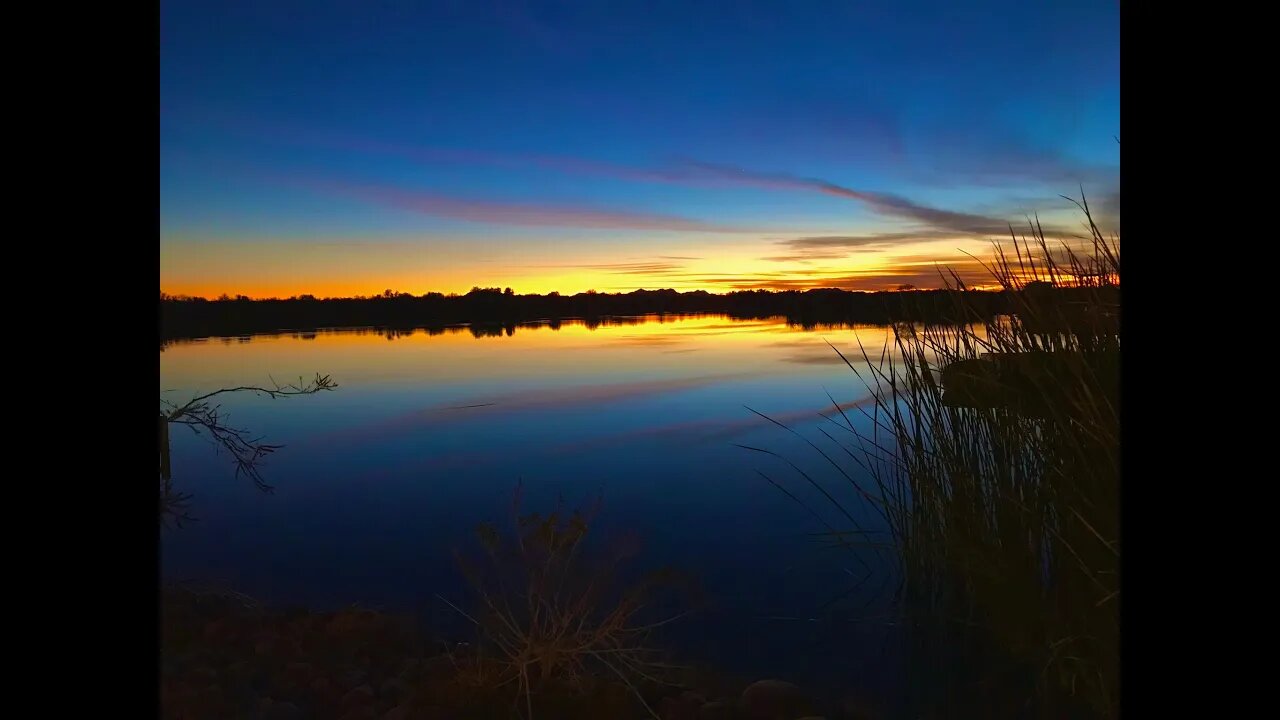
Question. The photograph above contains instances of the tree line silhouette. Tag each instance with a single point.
(194, 317)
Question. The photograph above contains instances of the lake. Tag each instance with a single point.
(429, 433)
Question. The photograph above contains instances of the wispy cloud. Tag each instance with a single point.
(918, 271)
(838, 246)
(660, 266)
(635, 268)
(805, 257)
(930, 223)
(518, 213)
(832, 247)
(882, 203)
(853, 241)
(682, 172)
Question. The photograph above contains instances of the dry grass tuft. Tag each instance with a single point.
(552, 617)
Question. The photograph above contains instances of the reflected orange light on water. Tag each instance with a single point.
(651, 347)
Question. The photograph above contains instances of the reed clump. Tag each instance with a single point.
(993, 450)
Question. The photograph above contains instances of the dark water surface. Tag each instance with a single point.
(429, 434)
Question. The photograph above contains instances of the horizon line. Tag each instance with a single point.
(225, 297)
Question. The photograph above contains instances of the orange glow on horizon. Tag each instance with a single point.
(357, 290)
(272, 270)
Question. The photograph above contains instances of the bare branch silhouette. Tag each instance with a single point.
(209, 420)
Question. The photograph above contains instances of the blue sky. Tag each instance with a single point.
(342, 148)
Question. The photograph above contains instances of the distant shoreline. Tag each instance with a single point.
(479, 328)
(191, 318)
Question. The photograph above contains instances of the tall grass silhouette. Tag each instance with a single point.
(992, 452)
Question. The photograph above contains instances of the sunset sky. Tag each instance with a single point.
(344, 148)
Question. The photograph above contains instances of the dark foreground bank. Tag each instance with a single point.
(225, 656)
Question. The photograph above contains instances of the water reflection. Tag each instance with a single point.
(434, 427)
(482, 330)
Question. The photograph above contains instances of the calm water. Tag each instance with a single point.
(429, 434)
